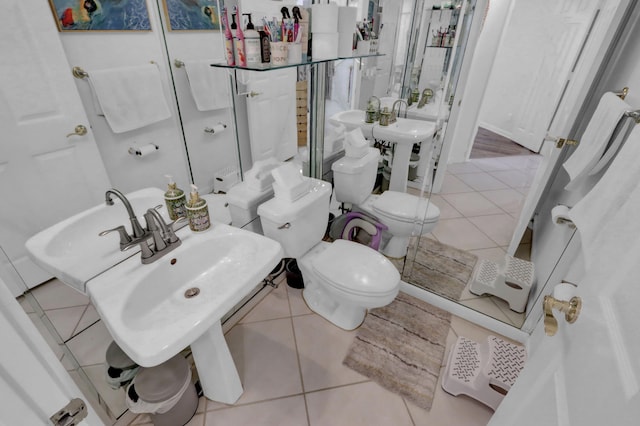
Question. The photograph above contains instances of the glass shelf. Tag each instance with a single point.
(268, 67)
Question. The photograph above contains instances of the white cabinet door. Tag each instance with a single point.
(52, 174)
(588, 374)
(33, 383)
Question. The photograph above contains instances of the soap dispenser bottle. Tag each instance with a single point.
(197, 212)
(175, 200)
(252, 46)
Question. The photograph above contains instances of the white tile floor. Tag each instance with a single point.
(290, 363)
(480, 203)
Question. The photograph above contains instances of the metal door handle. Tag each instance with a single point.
(80, 130)
(571, 310)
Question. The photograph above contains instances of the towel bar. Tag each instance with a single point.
(633, 114)
(622, 93)
(78, 72)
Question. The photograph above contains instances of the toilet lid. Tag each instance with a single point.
(406, 207)
(356, 269)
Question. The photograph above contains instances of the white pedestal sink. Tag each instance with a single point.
(154, 311)
(403, 133)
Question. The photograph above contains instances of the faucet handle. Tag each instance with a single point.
(125, 238)
(172, 235)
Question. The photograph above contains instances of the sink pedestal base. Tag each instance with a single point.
(217, 371)
(400, 166)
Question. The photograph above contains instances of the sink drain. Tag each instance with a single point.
(192, 292)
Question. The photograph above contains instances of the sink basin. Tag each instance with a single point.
(154, 311)
(72, 250)
(351, 120)
(405, 131)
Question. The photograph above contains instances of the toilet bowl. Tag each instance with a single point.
(404, 214)
(342, 279)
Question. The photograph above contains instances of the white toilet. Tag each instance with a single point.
(354, 177)
(342, 279)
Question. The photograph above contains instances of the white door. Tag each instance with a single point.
(608, 19)
(272, 113)
(588, 374)
(533, 64)
(52, 174)
(33, 383)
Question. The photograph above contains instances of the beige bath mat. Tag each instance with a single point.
(442, 269)
(401, 347)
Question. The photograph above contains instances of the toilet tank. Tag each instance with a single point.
(297, 225)
(354, 178)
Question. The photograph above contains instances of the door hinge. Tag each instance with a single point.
(71, 414)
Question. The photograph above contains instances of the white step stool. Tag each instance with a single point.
(484, 371)
(511, 281)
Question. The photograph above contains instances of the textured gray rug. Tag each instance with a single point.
(401, 346)
(441, 269)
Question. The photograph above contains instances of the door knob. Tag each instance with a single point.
(571, 310)
(80, 130)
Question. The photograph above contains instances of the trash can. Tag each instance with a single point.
(120, 368)
(294, 275)
(165, 392)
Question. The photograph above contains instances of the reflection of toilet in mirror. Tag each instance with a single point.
(342, 279)
(404, 214)
(245, 197)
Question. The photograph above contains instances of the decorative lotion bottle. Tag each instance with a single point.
(175, 200)
(197, 212)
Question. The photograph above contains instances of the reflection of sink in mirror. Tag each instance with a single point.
(405, 131)
(72, 250)
(154, 311)
(352, 119)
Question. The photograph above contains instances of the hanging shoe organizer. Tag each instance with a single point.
(511, 281)
(483, 371)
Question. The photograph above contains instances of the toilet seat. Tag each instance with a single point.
(356, 269)
(405, 207)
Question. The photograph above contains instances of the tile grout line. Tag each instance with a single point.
(295, 342)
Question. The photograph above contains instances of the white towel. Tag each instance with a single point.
(209, 85)
(595, 138)
(129, 97)
(609, 215)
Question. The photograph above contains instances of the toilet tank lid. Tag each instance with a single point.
(406, 207)
(242, 196)
(350, 165)
(280, 210)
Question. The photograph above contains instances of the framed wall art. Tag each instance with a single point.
(187, 15)
(101, 15)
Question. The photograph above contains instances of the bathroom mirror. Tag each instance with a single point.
(480, 200)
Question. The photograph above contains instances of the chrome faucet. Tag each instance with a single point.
(164, 237)
(394, 114)
(378, 108)
(426, 95)
(138, 231)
